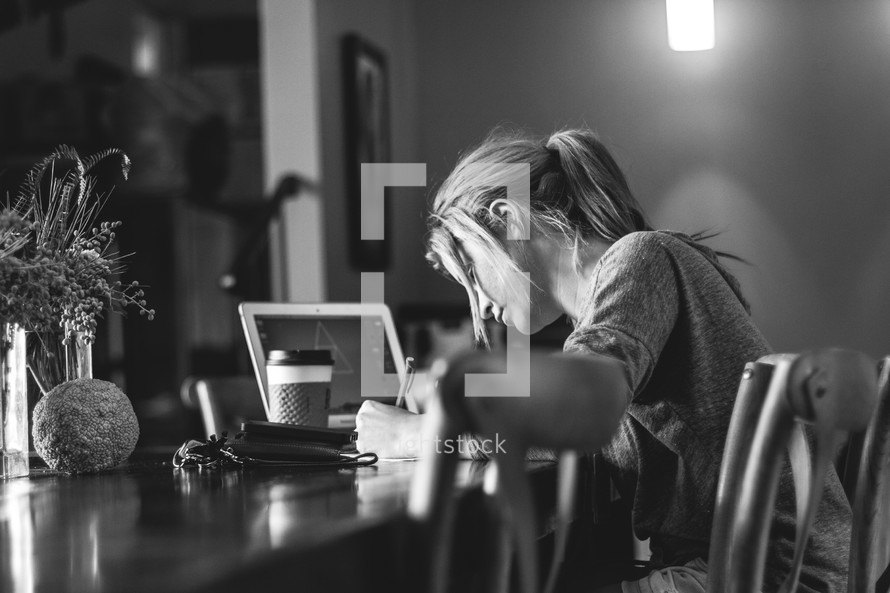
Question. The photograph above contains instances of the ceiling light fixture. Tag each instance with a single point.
(690, 24)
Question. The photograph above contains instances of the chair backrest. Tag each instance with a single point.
(224, 402)
(832, 390)
(870, 543)
(520, 422)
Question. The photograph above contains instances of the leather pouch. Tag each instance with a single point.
(246, 450)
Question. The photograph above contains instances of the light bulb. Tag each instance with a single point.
(690, 24)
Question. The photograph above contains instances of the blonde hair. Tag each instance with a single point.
(577, 193)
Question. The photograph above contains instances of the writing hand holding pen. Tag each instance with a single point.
(391, 432)
(407, 382)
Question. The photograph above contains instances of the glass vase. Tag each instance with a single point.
(56, 357)
(13, 402)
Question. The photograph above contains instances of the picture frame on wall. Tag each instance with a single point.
(368, 140)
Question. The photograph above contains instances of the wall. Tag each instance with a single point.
(291, 145)
(776, 138)
(388, 24)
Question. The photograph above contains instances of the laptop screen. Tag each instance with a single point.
(342, 335)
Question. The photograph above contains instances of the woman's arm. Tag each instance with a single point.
(576, 401)
(394, 433)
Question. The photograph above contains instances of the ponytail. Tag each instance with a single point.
(601, 201)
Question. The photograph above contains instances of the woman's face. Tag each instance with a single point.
(499, 289)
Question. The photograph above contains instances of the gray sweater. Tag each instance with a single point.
(665, 306)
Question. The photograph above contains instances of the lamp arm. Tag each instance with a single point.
(289, 185)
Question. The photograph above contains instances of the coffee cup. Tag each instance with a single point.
(299, 386)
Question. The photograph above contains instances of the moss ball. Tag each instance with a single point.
(84, 425)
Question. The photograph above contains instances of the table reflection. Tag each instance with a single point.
(147, 526)
(16, 527)
(89, 519)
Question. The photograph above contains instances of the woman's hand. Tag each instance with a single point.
(388, 431)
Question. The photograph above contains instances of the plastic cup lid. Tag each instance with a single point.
(299, 357)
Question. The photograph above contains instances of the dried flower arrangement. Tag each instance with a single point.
(57, 266)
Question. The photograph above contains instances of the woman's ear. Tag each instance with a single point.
(515, 220)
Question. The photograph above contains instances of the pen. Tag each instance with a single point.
(406, 383)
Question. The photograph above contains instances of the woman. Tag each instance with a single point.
(660, 302)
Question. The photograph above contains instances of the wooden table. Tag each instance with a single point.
(147, 526)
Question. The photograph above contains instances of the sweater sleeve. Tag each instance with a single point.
(631, 307)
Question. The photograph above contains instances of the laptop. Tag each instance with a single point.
(336, 327)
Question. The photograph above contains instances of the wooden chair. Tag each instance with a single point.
(870, 542)
(520, 422)
(224, 402)
(831, 390)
